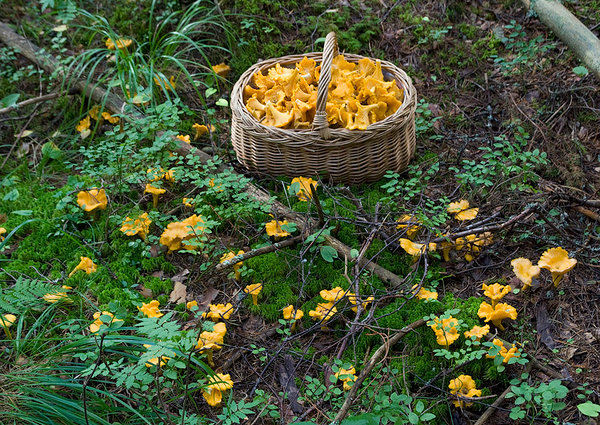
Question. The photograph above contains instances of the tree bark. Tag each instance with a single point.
(570, 30)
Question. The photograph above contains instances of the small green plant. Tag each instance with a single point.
(543, 399)
(424, 120)
(504, 164)
(522, 52)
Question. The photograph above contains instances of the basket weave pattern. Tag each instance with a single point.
(339, 154)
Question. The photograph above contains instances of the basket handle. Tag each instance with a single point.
(330, 50)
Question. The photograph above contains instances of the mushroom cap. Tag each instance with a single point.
(56, 297)
(210, 340)
(525, 270)
(220, 382)
(172, 236)
(306, 68)
(222, 69)
(505, 353)
(93, 199)
(184, 138)
(413, 248)
(496, 291)
(499, 312)
(456, 207)
(139, 226)
(342, 372)
(217, 384)
(289, 310)
(7, 320)
(190, 304)
(406, 222)
(273, 228)
(424, 294)
(478, 332)
(462, 384)
(253, 289)
(150, 309)
(120, 43)
(275, 117)
(153, 190)
(201, 130)
(110, 118)
(445, 330)
(256, 108)
(2, 231)
(557, 260)
(216, 311)
(95, 326)
(323, 311)
(83, 125)
(304, 193)
(333, 294)
(468, 214)
(177, 232)
(86, 264)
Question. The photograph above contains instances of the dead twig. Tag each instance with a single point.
(38, 99)
(373, 361)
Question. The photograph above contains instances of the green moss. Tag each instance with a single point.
(157, 286)
(156, 264)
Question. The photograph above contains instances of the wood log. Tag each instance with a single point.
(570, 30)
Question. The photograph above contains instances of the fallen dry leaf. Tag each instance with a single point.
(145, 292)
(179, 293)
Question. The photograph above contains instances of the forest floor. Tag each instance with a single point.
(506, 119)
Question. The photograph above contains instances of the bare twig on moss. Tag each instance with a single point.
(373, 361)
(513, 220)
(260, 251)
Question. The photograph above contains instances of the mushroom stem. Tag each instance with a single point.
(498, 324)
(255, 299)
(446, 254)
(154, 200)
(556, 278)
(209, 357)
(294, 325)
(6, 330)
(494, 302)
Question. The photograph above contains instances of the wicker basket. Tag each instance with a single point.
(337, 154)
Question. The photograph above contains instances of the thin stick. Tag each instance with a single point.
(374, 360)
(37, 100)
(259, 251)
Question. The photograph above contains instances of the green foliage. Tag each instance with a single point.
(166, 49)
(542, 399)
(424, 120)
(24, 295)
(504, 164)
(523, 51)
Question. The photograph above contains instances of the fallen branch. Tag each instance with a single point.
(373, 361)
(569, 29)
(519, 217)
(259, 251)
(38, 99)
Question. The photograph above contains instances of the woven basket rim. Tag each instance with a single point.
(397, 73)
